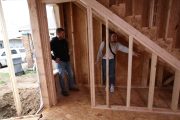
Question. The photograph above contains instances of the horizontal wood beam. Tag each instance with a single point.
(56, 1)
(138, 109)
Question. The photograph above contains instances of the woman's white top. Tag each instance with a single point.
(115, 46)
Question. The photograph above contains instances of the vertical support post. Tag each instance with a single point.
(41, 41)
(72, 37)
(151, 13)
(10, 62)
(133, 7)
(129, 71)
(168, 18)
(152, 81)
(145, 73)
(101, 34)
(176, 90)
(160, 71)
(107, 63)
(91, 56)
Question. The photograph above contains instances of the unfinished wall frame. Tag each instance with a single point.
(156, 52)
(134, 35)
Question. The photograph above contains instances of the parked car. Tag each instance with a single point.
(15, 52)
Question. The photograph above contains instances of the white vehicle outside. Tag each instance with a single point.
(15, 52)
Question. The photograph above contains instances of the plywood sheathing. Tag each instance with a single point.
(161, 18)
(137, 7)
(116, 2)
(119, 9)
(69, 28)
(145, 13)
(135, 21)
(129, 11)
(97, 38)
(150, 32)
(81, 44)
(174, 23)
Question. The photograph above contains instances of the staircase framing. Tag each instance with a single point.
(134, 35)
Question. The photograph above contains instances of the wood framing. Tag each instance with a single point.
(128, 7)
(160, 71)
(97, 37)
(129, 71)
(107, 63)
(72, 38)
(176, 91)
(152, 81)
(145, 71)
(81, 41)
(42, 50)
(91, 57)
(39, 25)
(69, 27)
(151, 13)
(168, 18)
(15, 90)
(148, 44)
(141, 38)
(56, 1)
(138, 109)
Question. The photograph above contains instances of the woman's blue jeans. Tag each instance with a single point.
(111, 71)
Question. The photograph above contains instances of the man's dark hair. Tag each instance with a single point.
(58, 30)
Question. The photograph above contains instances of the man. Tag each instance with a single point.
(114, 46)
(60, 50)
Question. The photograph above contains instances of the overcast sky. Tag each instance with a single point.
(16, 15)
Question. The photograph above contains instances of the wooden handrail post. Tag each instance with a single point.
(152, 81)
(129, 71)
(176, 90)
(107, 64)
(151, 13)
(91, 56)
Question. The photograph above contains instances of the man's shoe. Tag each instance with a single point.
(65, 93)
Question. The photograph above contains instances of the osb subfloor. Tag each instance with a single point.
(77, 107)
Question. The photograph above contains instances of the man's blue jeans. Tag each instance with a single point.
(64, 68)
(111, 71)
